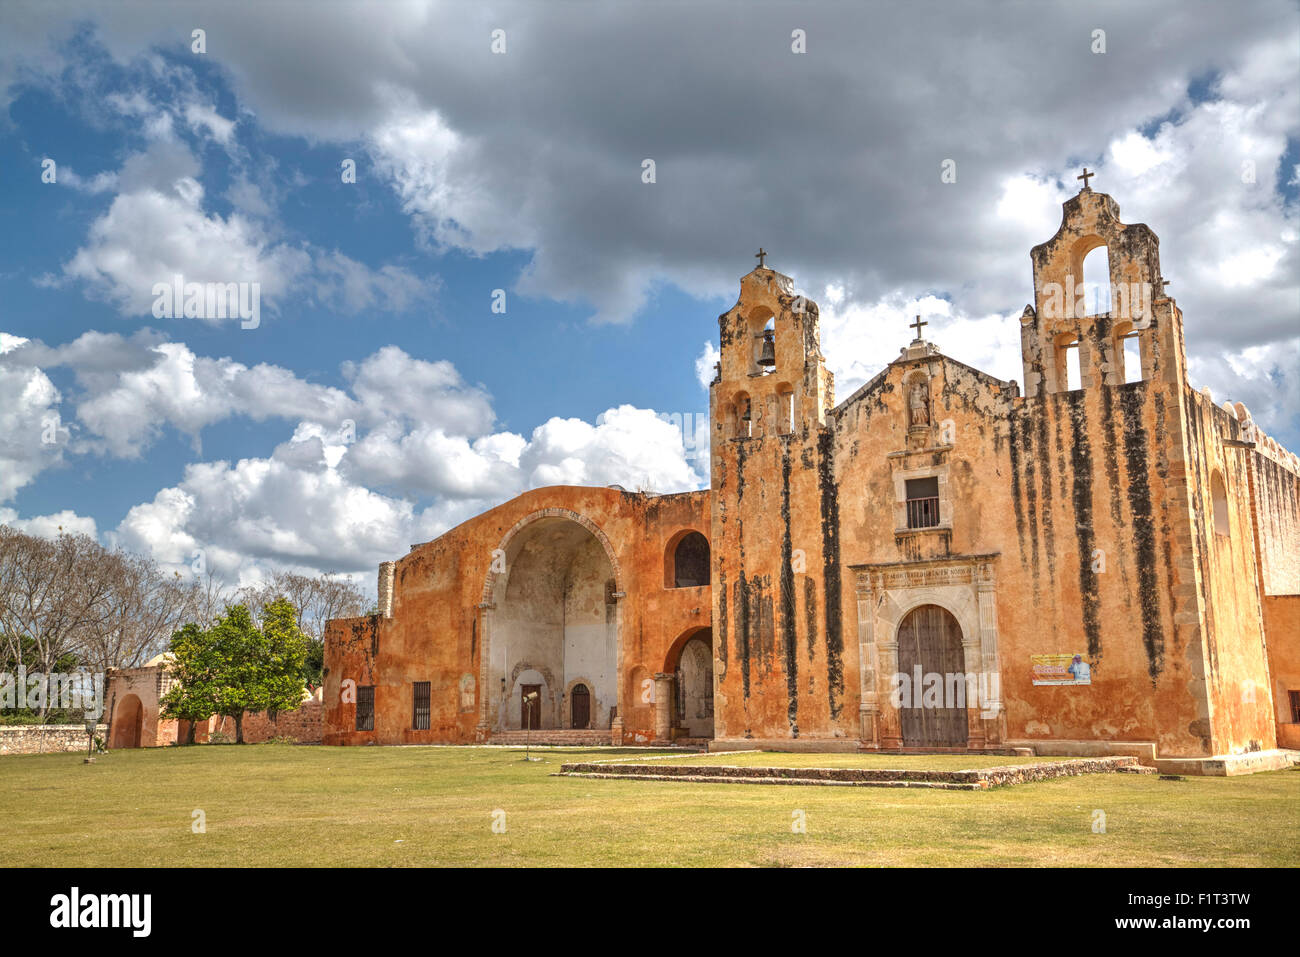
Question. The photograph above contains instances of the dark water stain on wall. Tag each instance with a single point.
(761, 588)
(810, 615)
(1084, 531)
(1049, 528)
(1031, 492)
(741, 597)
(830, 518)
(1013, 451)
(1062, 480)
(1115, 495)
(1144, 534)
(723, 619)
(789, 635)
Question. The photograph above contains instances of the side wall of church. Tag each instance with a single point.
(1276, 484)
(438, 625)
(1224, 552)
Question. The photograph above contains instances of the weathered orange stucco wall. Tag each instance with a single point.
(146, 686)
(441, 624)
(1129, 520)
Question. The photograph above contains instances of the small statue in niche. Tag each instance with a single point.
(918, 402)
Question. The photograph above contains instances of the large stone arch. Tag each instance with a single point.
(493, 575)
(551, 601)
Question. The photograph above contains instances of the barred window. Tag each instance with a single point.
(366, 708)
(421, 719)
(922, 503)
(1295, 706)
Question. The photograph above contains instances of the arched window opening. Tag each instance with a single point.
(691, 561)
(1096, 282)
(1132, 357)
(785, 409)
(1070, 369)
(765, 348)
(1219, 493)
(744, 416)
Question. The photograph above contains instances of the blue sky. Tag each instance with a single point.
(521, 171)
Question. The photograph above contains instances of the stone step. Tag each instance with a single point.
(822, 782)
(956, 780)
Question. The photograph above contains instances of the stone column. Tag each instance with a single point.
(663, 705)
(891, 731)
(869, 706)
(971, 662)
(483, 730)
(992, 709)
(385, 588)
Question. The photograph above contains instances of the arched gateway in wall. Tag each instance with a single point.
(550, 626)
(128, 723)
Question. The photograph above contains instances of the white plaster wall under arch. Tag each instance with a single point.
(498, 706)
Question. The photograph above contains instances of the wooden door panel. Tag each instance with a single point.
(931, 638)
(581, 706)
(530, 712)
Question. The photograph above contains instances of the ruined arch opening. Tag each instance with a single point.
(690, 662)
(554, 624)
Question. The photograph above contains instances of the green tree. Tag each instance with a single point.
(278, 683)
(235, 667)
(196, 667)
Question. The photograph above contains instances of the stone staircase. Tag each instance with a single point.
(554, 737)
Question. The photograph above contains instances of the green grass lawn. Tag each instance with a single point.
(283, 805)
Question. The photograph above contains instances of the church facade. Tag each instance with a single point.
(1103, 561)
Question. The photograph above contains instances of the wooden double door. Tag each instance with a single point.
(931, 638)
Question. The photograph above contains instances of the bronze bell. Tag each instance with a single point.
(745, 416)
(768, 356)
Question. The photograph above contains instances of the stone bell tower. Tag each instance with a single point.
(1066, 321)
(775, 525)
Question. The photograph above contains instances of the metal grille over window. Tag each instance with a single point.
(366, 708)
(421, 722)
(922, 503)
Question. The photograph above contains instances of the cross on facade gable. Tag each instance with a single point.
(1085, 177)
(917, 326)
(760, 256)
(1162, 283)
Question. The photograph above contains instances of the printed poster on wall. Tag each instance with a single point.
(1061, 670)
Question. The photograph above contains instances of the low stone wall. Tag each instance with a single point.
(304, 725)
(37, 739)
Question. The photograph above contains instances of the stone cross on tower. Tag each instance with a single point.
(1162, 283)
(917, 326)
(1085, 177)
(760, 256)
